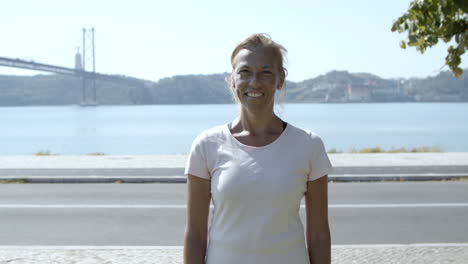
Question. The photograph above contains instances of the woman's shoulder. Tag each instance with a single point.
(307, 141)
(304, 134)
(213, 134)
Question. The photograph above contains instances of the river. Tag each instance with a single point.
(170, 129)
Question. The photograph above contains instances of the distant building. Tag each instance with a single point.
(358, 93)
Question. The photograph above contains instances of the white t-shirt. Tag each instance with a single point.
(256, 194)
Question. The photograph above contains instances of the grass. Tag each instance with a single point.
(43, 153)
(392, 150)
(48, 153)
(96, 154)
(332, 151)
(19, 180)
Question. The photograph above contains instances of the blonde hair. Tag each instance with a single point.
(262, 40)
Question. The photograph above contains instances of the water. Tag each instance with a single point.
(170, 129)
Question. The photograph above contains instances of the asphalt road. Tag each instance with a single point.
(154, 214)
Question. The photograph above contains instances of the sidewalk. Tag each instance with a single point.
(170, 168)
(365, 254)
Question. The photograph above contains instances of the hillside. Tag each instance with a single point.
(334, 86)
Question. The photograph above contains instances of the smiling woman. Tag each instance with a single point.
(256, 170)
(257, 61)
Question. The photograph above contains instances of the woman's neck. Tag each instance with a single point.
(258, 123)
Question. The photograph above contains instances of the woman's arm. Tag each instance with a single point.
(318, 230)
(196, 229)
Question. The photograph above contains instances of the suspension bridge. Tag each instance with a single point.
(88, 95)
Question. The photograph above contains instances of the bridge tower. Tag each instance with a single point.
(78, 60)
(88, 61)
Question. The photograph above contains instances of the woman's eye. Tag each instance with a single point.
(244, 73)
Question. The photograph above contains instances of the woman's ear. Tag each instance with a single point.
(281, 80)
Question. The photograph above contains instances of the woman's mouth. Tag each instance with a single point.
(253, 94)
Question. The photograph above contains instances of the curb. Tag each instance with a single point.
(94, 179)
(180, 247)
(399, 177)
(183, 179)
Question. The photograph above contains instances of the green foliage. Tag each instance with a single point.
(428, 21)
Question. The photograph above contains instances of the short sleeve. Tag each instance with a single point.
(197, 162)
(320, 164)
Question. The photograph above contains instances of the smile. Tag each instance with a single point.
(254, 95)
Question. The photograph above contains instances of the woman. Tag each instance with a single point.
(256, 171)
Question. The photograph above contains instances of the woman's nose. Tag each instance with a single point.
(254, 80)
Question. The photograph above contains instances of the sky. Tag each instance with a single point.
(153, 39)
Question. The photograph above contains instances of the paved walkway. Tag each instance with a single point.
(170, 168)
(178, 161)
(388, 254)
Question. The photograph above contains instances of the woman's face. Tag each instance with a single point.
(256, 77)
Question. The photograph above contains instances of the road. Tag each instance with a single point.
(154, 214)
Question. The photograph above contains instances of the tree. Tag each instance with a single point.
(427, 21)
